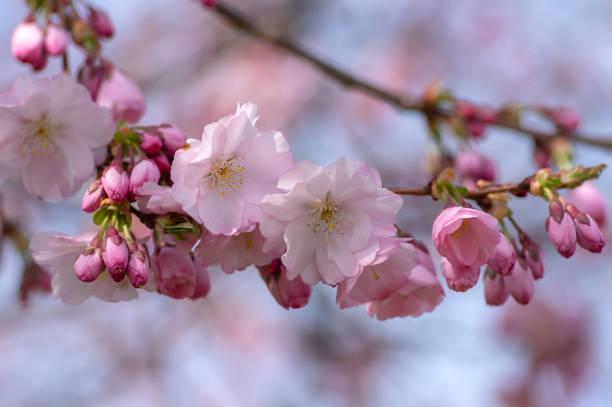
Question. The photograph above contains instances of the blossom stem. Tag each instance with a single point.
(399, 101)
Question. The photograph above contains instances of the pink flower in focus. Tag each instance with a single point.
(520, 283)
(27, 43)
(465, 236)
(59, 253)
(56, 40)
(50, 128)
(150, 143)
(116, 182)
(93, 197)
(177, 274)
(504, 257)
(221, 179)
(333, 222)
(562, 235)
(588, 234)
(138, 267)
(459, 278)
(122, 96)
(288, 293)
(235, 252)
(589, 199)
(89, 265)
(115, 253)
(475, 166)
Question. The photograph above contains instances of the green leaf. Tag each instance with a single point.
(461, 189)
(99, 216)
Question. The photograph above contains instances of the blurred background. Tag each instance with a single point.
(237, 347)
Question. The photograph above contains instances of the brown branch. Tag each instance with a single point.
(402, 102)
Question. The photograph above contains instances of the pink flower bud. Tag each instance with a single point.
(150, 143)
(202, 281)
(459, 278)
(520, 283)
(208, 3)
(496, 292)
(288, 293)
(562, 235)
(27, 44)
(162, 162)
(40, 63)
(504, 257)
(89, 264)
(118, 277)
(173, 138)
(138, 268)
(175, 272)
(475, 166)
(115, 182)
(115, 253)
(56, 40)
(101, 23)
(556, 210)
(533, 255)
(93, 197)
(588, 234)
(143, 172)
(475, 128)
(122, 96)
(565, 119)
(91, 77)
(589, 199)
(486, 114)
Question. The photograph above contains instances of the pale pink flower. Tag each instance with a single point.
(288, 293)
(333, 222)
(235, 252)
(122, 96)
(59, 253)
(465, 236)
(50, 128)
(157, 199)
(221, 179)
(459, 278)
(562, 234)
(178, 275)
(589, 199)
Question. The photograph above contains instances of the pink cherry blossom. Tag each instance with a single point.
(221, 179)
(27, 43)
(459, 278)
(520, 283)
(562, 234)
(143, 172)
(178, 275)
(589, 199)
(56, 40)
(116, 182)
(50, 128)
(172, 137)
(465, 236)
(157, 199)
(59, 252)
(235, 252)
(333, 222)
(122, 96)
(496, 292)
(588, 234)
(288, 293)
(504, 257)
(94, 194)
(89, 264)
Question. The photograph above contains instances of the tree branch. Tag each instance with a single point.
(402, 102)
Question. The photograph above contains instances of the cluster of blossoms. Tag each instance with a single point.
(168, 207)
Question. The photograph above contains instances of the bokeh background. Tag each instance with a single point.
(237, 347)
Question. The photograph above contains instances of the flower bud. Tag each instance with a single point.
(202, 281)
(588, 234)
(533, 256)
(459, 278)
(562, 235)
(162, 162)
(56, 40)
(93, 197)
(504, 257)
(122, 96)
(115, 182)
(101, 23)
(89, 265)
(520, 283)
(115, 253)
(556, 210)
(150, 143)
(589, 199)
(91, 77)
(475, 166)
(565, 119)
(172, 137)
(143, 172)
(496, 292)
(288, 293)
(176, 274)
(138, 268)
(475, 128)
(27, 43)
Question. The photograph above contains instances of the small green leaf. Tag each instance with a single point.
(461, 189)
(99, 216)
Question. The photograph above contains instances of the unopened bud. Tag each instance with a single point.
(504, 257)
(115, 182)
(89, 264)
(115, 253)
(93, 197)
(162, 162)
(143, 172)
(27, 43)
(122, 96)
(150, 143)
(172, 137)
(138, 268)
(496, 292)
(101, 23)
(56, 40)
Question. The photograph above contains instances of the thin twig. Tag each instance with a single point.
(402, 102)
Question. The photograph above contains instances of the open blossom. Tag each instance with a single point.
(221, 179)
(235, 252)
(465, 236)
(334, 221)
(50, 128)
(59, 252)
(122, 96)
